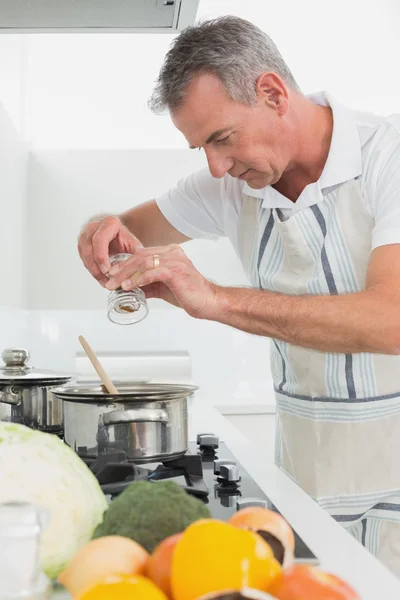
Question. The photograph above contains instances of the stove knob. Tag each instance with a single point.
(208, 440)
(228, 501)
(229, 474)
(200, 435)
(246, 502)
(221, 461)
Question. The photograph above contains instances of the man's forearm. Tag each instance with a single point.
(361, 322)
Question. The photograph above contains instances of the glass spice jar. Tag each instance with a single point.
(126, 307)
(21, 526)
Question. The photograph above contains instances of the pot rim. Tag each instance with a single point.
(128, 393)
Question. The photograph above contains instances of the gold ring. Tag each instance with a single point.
(156, 261)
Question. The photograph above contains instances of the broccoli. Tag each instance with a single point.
(149, 512)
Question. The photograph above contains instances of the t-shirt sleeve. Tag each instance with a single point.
(385, 200)
(195, 206)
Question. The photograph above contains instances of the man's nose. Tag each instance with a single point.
(219, 166)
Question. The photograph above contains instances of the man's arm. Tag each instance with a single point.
(367, 321)
(147, 223)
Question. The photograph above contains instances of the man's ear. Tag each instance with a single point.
(272, 90)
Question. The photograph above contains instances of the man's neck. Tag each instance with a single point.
(313, 127)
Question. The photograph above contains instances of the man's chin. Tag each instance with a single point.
(257, 184)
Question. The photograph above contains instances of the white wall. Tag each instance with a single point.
(67, 187)
(13, 163)
(91, 91)
(13, 160)
(12, 78)
(12, 211)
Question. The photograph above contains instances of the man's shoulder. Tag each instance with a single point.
(380, 143)
(377, 131)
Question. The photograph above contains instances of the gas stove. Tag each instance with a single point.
(208, 471)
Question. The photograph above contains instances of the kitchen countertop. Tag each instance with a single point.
(337, 550)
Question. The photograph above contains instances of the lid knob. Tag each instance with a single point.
(15, 357)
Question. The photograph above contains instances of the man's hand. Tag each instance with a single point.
(174, 280)
(102, 238)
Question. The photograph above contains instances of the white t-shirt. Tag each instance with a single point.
(363, 146)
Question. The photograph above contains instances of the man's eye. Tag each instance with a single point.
(222, 139)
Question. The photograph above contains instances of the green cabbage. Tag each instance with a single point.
(38, 467)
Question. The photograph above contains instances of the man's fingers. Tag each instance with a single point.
(129, 242)
(86, 253)
(106, 232)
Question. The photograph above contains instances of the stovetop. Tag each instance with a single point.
(208, 471)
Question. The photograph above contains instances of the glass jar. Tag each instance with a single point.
(126, 307)
(21, 578)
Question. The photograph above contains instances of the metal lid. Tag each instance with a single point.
(145, 392)
(17, 371)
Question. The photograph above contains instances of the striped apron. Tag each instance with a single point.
(338, 415)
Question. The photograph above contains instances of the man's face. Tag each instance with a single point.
(248, 142)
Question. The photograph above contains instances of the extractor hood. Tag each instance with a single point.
(114, 16)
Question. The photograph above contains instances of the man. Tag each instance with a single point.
(309, 194)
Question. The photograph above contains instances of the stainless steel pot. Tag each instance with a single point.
(26, 394)
(149, 422)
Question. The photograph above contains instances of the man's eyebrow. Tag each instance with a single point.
(212, 137)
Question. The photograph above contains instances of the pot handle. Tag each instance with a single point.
(136, 415)
(11, 395)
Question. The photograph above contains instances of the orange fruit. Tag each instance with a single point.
(122, 587)
(212, 556)
(101, 557)
(268, 523)
(306, 581)
(159, 565)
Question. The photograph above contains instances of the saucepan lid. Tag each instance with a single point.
(17, 371)
(144, 392)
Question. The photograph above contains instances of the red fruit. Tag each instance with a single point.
(159, 564)
(303, 582)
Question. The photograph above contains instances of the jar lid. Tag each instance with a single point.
(17, 371)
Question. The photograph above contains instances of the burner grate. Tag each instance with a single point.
(115, 472)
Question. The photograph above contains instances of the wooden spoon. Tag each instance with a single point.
(108, 384)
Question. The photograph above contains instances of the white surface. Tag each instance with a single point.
(66, 188)
(14, 328)
(12, 231)
(154, 367)
(259, 428)
(12, 78)
(337, 550)
(331, 50)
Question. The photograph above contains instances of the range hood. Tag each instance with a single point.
(97, 16)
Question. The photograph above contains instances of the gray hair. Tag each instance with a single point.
(234, 50)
